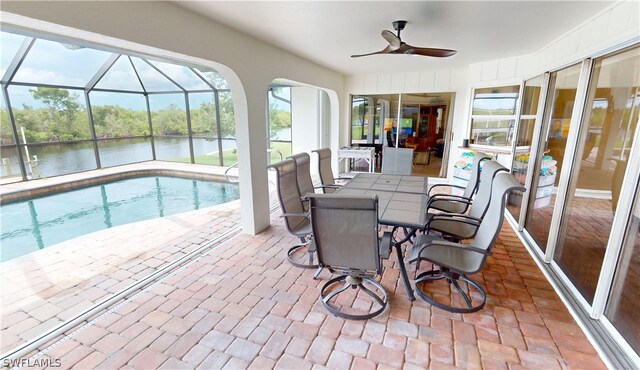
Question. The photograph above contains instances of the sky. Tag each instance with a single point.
(53, 63)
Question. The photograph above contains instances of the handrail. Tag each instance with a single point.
(278, 151)
(226, 175)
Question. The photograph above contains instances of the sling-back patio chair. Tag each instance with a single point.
(325, 171)
(345, 231)
(456, 226)
(397, 161)
(456, 261)
(303, 176)
(443, 202)
(296, 219)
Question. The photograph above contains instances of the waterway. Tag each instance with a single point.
(59, 159)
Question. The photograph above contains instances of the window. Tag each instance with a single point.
(493, 115)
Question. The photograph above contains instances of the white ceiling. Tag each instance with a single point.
(328, 32)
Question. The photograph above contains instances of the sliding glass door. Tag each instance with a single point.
(623, 304)
(524, 140)
(600, 161)
(553, 141)
(583, 207)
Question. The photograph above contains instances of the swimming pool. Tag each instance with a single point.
(30, 225)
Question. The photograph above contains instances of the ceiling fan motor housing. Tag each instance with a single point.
(399, 25)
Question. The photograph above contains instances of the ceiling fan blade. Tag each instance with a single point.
(386, 50)
(429, 52)
(392, 39)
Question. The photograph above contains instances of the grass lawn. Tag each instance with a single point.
(230, 156)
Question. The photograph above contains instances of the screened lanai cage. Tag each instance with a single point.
(68, 108)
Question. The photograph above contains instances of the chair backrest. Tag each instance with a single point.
(474, 180)
(289, 196)
(397, 161)
(303, 175)
(345, 232)
(503, 184)
(324, 168)
(483, 196)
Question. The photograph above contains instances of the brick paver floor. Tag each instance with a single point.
(41, 290)
(243, 306)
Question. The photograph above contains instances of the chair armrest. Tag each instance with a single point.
(443, 243)
(443, 185)
(456, 217)
(448, 199)
(453, 217)
(304, 214)
(327, 186)
(384, 246)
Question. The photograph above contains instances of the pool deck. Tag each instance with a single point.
(241, 305)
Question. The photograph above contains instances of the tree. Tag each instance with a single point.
(57, 99)
(64, 118)
(278, 118)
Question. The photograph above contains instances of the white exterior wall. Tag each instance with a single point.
(615, 26)
(163, 29)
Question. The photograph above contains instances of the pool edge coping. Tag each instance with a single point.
(95, 178)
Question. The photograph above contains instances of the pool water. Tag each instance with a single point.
(34, 224)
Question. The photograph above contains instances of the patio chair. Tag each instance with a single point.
(296, 220)
(303, 176)
(345, 231)
(325, 171)
(456, 261)
(397, 161)
(456, 226)
(442, 202)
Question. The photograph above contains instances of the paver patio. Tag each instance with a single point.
(243, 306)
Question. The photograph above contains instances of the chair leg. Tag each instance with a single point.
(380, 299)
(453, 280)
(302, 249)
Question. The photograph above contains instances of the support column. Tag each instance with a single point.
(249, 102)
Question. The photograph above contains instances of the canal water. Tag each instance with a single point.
(59, 159)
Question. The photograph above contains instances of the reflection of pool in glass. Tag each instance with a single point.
(29, 225)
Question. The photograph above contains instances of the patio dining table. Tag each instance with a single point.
(397, 207)
(393, 183)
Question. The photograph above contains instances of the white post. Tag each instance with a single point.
(7, 166)
(26, 151)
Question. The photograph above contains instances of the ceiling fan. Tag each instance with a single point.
(397, 46)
